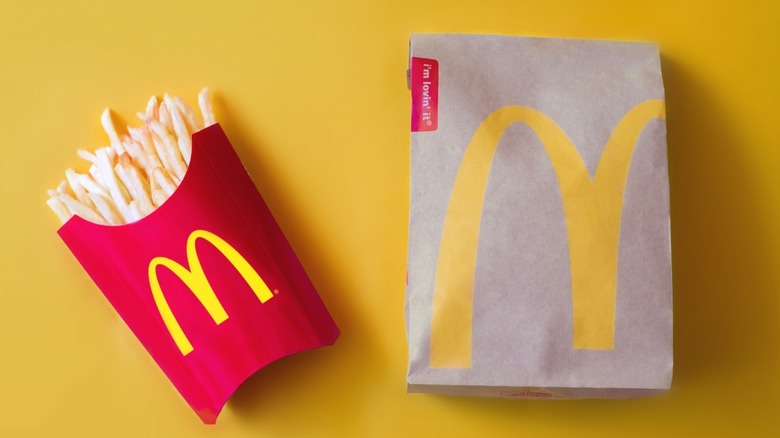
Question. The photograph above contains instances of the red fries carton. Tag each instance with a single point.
(207, 282)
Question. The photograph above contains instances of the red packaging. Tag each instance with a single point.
(207, 282)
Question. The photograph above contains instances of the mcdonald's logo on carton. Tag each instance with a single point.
(208, 282)
(194, 277)
(539, 235)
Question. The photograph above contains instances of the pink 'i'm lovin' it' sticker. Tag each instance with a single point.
(425, 94)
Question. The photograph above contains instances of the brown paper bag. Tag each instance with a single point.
(539, 257)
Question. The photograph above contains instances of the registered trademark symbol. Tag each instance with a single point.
(276, 291)
(429, 123)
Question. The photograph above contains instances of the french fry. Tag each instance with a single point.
(131, 178)
(143, 136)
(165, 152)
(148, 144)
(63, 187)
(108, 125)
(59, 209)
(78, 190)
(162, 152)
(193, 123)
(164, 116)
(136, 151)
(119, 196)
(106, 208)
(139, 170)
(118, 149)
(94, 172)
(90, 185)
(152, 111)
(168, 150)
(135, 212)
(77, 208)
(179, 128)
(159, 197)
(205, 108)
(89, 156)
(111, 153)
(163, 180)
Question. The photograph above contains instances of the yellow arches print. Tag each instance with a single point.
(592, 210)
(195, 279)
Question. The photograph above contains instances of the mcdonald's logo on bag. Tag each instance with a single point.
(195, 279)
(592, 208)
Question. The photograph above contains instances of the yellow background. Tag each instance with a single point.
(313, 97)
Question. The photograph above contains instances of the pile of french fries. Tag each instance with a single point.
(139, 170)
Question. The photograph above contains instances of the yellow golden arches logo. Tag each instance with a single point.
(196, 281)
(592, 208)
